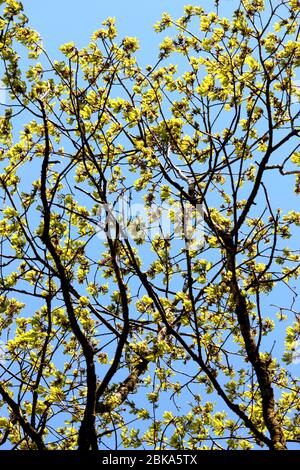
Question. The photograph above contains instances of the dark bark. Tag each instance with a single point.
(87, 438)
(259, 365)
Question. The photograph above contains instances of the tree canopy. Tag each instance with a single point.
(116, 335)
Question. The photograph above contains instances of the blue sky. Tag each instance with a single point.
(73, 20)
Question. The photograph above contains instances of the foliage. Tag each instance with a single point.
(122, 340)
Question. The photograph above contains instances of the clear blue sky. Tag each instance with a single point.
(61, 21)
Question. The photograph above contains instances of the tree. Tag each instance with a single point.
(120, 341)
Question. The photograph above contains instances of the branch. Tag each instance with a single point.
(260, 366)
(27, 428)
(125, 388)
(87, 433)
